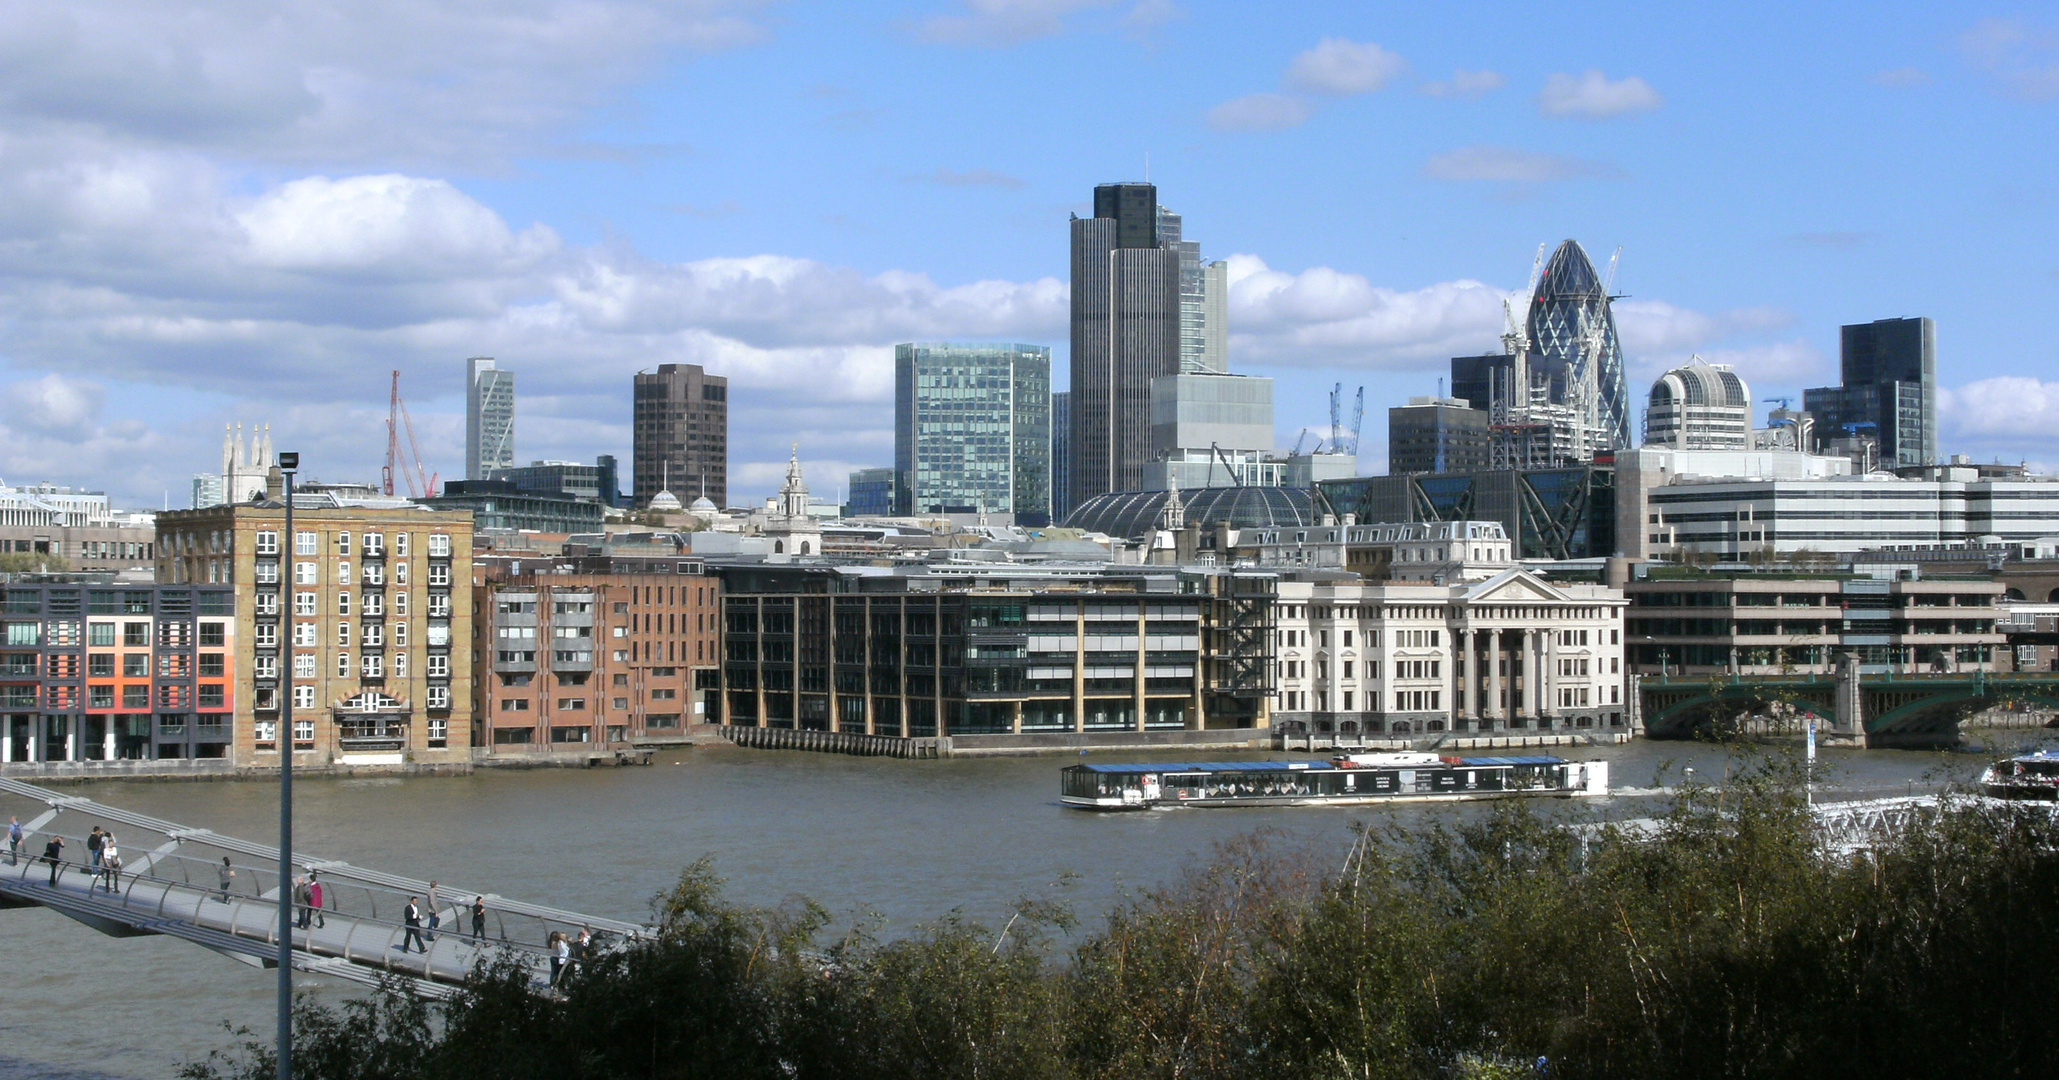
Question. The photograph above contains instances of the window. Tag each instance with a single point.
(136, 666)
(211, 665)
(664, 693)
(620, 680)
(439, 697)
(100, 665)
(304, 543)
(571, 704)
(267, 573)
(375, 545)
(267, 542)
(400, 601)
(267, 636)
(213, 635)
(211, 696)
(439, 606)
(374, 666)
(303, 730)
(343, 543)
(303, 603)
(375, 574)
(136, 635)
(375, 634)
(303, 698)
(304, 665)
(265, 603)
(400, 633)
(621, 703)
(400, 574)
(343, 665)
(400, 544)
(439, 666)
(343, 603)
(375, 603)
(100, 697)
(304, 634)
(98, 634)
(343, 634)
(439, 545)
(439, 574)
(266, 667)
(304, 573)
(343, 571)
(400, 665)
(514, 704)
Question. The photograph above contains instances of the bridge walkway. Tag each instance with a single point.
(172, 888)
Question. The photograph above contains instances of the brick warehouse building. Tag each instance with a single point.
(96, 671)
(575, 662)
(359, 613)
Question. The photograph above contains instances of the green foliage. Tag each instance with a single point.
(1734, 941)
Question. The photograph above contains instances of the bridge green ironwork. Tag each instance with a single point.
(1870, 708)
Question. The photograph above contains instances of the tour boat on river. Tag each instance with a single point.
(2033, 776)
(1403, 776)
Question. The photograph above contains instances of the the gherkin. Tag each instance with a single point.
(1571, 326)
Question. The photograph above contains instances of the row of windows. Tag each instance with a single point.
(308, 542)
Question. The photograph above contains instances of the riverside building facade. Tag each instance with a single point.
(995, 649)
(585, 661)
(1513, 652)
(362, 615)
(972, 430)
(91, 670)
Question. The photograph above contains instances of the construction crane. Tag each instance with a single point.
(1780, 401)
(421, 483)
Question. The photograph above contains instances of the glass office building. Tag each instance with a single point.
(972, 430)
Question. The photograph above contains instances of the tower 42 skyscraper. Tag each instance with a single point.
(1125, 332)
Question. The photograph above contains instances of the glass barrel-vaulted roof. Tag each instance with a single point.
(1131, 514)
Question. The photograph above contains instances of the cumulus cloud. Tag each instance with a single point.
(54, 405)
(1343, 67)
(2006, 408)
(1592, 95)
(387, 224)
(2022, 59)
(1503, 164)
(1465, 84)
(1260, 112)
(322, 81)
(1323, 316)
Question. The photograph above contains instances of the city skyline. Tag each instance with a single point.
(247, 238)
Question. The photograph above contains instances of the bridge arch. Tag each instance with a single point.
(1691, 709)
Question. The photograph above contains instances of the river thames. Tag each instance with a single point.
(910, 840)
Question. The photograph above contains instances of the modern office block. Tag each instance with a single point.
(1061, 455)
(872, 493)
(1699, 406)
(681, 438)
(972, 430)
(1125, 332)
(1889, 392)
(1436, 435)
(489, 418)
(1203, 411)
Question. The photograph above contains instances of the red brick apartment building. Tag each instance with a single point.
(579, 662)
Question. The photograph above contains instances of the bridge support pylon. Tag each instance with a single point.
(1848, 724)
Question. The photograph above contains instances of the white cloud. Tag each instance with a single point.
(1001, 22)
(2022, 59)
(1507, 165)
(391, 224)
(316, 81)
(1465, 84)
(1260, 112)
(1593, 96)
(1323, 316)
(1343, 67)
(53, 405)
(2014, 409)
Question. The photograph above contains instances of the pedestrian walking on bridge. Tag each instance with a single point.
(227, 877)
(435, 911)
(413, 919)
(303, 900)
(110, 864)
(14, 838)
(53, 853)
(479, 918)
(316, 896)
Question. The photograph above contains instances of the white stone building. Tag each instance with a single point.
(1511, 652)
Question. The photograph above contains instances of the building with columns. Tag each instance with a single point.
(1513, 652)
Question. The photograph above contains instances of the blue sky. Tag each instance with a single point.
(253, 212)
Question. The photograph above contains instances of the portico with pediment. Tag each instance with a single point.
(1511, 653)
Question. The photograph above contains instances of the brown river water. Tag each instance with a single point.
(910, 840)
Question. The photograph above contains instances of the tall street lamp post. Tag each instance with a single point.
(289, 463)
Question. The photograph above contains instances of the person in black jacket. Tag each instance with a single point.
(53, 853)
(413, 918)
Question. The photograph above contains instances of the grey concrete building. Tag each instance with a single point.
(1125, 332)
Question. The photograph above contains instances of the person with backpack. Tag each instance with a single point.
(14, 838)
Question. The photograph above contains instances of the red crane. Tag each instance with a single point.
(421, 483)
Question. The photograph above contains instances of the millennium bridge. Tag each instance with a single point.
(169, 884)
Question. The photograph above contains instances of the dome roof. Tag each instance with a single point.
(1131, 514)
(664, 502)
(702, 505)
(1699, 382)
